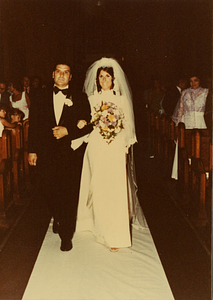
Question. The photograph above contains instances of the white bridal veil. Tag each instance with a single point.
(121, 87)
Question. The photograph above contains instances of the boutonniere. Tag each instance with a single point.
(68, 101)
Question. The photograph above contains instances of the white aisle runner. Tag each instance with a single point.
(91, 272)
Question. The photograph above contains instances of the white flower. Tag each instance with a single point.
(104, 113)
(68, 101)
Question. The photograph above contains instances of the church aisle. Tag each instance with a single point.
(91, 271)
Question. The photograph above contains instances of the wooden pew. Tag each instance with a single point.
(18, 163)
(5, 172)
(25, 145)
(167, 137)
(201, 180)
(184, 159)
(162, 136)
(170, 136)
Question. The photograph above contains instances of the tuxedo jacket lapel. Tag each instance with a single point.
(51, 109)
(66, 111)
(63, 115)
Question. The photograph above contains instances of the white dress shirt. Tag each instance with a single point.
(58, 104)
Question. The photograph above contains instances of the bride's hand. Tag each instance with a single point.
(81, 124)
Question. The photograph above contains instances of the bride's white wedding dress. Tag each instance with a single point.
(107, 199)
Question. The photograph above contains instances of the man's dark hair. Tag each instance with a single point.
(62, 62)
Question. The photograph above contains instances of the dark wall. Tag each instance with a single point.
(147, 37)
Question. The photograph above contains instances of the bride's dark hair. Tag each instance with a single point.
(108, 70)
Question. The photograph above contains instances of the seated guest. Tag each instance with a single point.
(20, 99)
(4, 95)
(172, 96)
(3, 121)
(16, 116)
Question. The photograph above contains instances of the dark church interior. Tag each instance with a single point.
(152, 40)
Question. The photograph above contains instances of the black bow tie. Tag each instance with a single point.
(56, 90)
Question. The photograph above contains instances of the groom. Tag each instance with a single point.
(57, 117)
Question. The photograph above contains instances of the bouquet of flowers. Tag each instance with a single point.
(109, 119)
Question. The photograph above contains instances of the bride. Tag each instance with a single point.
(107, 201)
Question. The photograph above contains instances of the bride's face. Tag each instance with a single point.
(105, 80)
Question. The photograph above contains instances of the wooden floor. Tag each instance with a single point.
(184, 250)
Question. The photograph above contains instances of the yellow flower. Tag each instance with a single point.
(111, 118)
(104, 107)
(104, 128)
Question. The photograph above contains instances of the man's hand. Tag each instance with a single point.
(81, 124)
(32, 159)
(59, 132)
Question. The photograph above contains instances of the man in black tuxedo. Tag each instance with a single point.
(58, 117)
(173, 95)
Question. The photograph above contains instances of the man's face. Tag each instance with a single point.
(2, 88)
(62, 76)
(26, 81)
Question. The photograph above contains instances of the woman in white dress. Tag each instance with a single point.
(108, 202)
(19, 99)
(190, 110)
